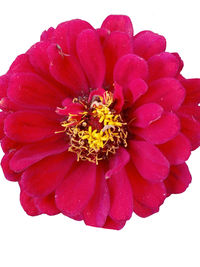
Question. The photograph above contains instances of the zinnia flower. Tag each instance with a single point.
(98, 123)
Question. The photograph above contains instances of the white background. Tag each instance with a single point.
(169, 238)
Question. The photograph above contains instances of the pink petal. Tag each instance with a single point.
(66, 34)
(29, 126)
(28, 204)
(151, 195)
(136, 88)
(91, 57)
(190, 127)
(141, 210)
(116, 225)
(118, 97)
(179, 179)
(47, 205)
(177, 150)
(163, 65)
(96, 92)
(3, 85)
(129, 67)
(39, 58)
(192, 87)
(116, 45)
(74, 193)
(160, 131)
(31, 91)
(43, 177)
(146, 115)
(7, 144)
(8, 173)
(119, 23)
(47, 34)
(167, 92)
(149, 161)
(96, 211)
(147, 44)
(67, 70)
(117, 162)
(121, 196)
(3, 116)
(21, 64)
(32, 153)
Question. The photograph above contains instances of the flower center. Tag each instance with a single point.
(97, 130)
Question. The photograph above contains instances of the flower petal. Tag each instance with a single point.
(118, 97)
(96, 211)
(178, 179)
(76, 190)
(28, 204)
(29, 126)
(47, 205)
(8, 173)
(67, 70)
(136, 88)
(91, 57)
(43, 177)
(119, 23)
(190, 127)
(161, 130)
(192, 87)
(21, 64)
(149, 161)
(31, 91)
(177, 150)
(116, 225)
(129, 67)
(146, 115)
(141, 210)
(151, 195)
(66, 34)
(32, 153)
(147, 44)
(116, 45)
(167, 92)
(163, 65)
(121, 196)
(117, 162)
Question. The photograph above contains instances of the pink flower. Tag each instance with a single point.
(98, 123)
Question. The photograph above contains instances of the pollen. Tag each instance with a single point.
(96, 132)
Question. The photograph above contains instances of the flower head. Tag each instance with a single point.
(98, 123)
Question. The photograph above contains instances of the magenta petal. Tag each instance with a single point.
(8, 173)
(96, 212)
(31, 91)
(147, 44)
(177, 150)
(190, 127)
(192, 87)
(129, 67)
(47, 205)
(67, 70)
(116, 225)
(163, 65)
(74, 193)
(116, 45)
(167, 92)
(91, 57)
(118, 97)
(117, 162)
(21, 64)
(121, 196)
(29, 126)
(179, 179)
(146, 115)
(162, 130)
(119, 23)
(151, 195)
(47, 34)
(32, 153)
(43, 177)
(28, 204)
(149, 161)
(142, 210)
(39, 58)
(66, 34)
(136, 88)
